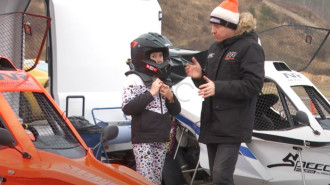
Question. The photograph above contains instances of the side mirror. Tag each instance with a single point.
(109, 133)
(303, 118)
(6, 139)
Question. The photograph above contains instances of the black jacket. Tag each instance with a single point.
(151, 120)
(236, 66)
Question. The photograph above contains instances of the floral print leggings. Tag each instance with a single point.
(150, 158)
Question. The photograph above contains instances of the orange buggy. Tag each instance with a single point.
(39, 145)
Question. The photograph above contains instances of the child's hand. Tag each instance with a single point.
(166, 91)
(155, 87)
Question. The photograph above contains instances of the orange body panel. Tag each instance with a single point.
(18, 81)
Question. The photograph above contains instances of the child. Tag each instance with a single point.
(148, 98)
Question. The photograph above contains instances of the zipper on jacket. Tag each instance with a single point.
(224, 50)
(161, 103)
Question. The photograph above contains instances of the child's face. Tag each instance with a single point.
(157, 57)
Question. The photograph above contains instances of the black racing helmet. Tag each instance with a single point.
(148, 43)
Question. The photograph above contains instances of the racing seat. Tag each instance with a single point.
(264, 104)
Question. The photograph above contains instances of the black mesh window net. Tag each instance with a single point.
(274, 110)
(39, 117)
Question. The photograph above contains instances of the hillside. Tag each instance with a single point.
(186, 24)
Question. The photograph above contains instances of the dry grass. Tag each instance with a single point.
(317, 78)
(186, 23)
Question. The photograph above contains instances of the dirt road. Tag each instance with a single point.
(291, 14)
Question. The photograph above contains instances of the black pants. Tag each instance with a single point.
(222, 161)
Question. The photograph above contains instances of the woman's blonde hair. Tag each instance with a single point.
(247, 23)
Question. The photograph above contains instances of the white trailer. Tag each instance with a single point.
(90, 44)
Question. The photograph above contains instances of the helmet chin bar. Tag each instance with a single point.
(151, 68)
(161, 71)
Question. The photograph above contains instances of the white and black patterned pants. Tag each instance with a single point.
(150, 158)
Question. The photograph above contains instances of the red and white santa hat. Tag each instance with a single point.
(226, 14)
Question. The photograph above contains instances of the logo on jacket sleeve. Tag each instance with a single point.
(231, 55)
(211, 55)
